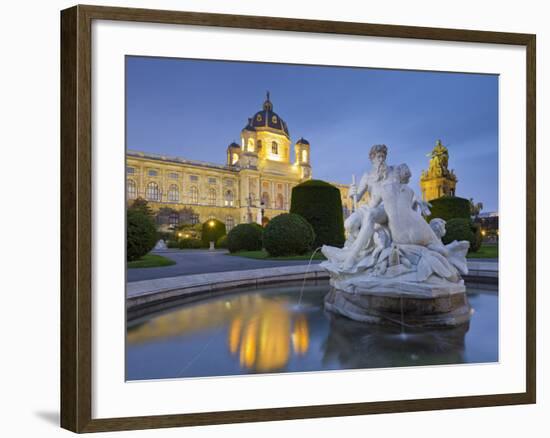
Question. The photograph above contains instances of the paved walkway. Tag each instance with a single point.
(195, 261)
(192, 262)
(151, 291)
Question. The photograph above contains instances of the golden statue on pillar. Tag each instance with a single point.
(438, 180)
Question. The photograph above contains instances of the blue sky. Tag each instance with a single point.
(194, 109)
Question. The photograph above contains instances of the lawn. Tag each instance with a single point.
(151, 261)
(485, 252)
(263, 255)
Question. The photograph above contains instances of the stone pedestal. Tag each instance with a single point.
(409, 310)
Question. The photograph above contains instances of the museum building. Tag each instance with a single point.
(255, 182)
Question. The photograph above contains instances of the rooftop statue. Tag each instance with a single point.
(391, 250)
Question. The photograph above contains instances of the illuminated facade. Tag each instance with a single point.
(438, 180)
(258, 176)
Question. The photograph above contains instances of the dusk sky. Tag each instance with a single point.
(194, 109)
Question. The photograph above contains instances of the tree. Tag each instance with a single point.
(212, 230)
(141, 204)
(186, 215)
(475, 209)
(141, 234)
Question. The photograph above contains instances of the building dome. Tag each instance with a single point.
(234, 145)
(302, 141)
(267, 119)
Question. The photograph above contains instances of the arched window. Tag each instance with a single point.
(211, 197)
(193, 195)
(131, 189)
(275, 148)
(229, 198)
(152, 193)
(259, 145)
(250, 145)
(174, 219)
(173, 193)
(265, 199)
(279, 202)
(229, 223)
(304, 155)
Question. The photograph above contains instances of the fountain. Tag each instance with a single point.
(394, 268)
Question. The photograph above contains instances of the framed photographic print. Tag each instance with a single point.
(268, 218)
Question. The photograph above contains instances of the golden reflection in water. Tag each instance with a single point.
(261, 331)
(300, 335)
(263, 341)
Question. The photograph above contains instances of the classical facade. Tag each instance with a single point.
(438, 180)
(255, 182)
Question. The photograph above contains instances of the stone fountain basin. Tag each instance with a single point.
(443, 309)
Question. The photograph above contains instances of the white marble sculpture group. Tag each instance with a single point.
(390, 248)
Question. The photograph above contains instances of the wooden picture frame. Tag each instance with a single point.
(76, 217)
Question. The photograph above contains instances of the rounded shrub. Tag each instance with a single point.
(141, 234)
(222, 242)
(449, 207)
(212, 230)
(190, 243)
(245, 237)
(319, 203)
(288, 234)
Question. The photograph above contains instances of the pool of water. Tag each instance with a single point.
(268, 330)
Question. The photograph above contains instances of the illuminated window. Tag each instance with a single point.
(131, 189)
(152, 193)
(304, 156)
(251, 145)
(229, 198)
(229, 223)
(235, 158)
(280, 202)
(275, 148)
(265, 199)
(193, 195)
(212, 197)
(173, 193)
(194, 219)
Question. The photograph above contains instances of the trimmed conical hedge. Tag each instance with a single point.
(320, 204)
(450, 207)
